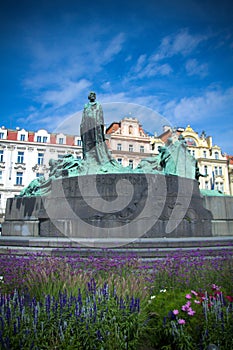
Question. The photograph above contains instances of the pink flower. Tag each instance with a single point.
(186, 306)
(215, 287)
(197, 302)
(194, 293)
(175, 312)
(188, 296)
(181, 321)
(230, 298)
(191, 312)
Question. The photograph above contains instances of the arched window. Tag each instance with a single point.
(190, 141)
(216, 155)
(130, 130)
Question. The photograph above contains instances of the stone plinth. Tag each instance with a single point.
(110, 206)
(221, 208)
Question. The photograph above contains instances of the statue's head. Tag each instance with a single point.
(92, 96)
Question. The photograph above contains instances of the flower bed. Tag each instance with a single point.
(117, 302)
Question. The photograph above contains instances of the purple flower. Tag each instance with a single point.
(181, 321)
(175, 312)
(191, 312)
(188, 296)
(194, 293)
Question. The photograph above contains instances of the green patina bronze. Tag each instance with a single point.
(172, 159)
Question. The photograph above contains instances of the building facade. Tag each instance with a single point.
(25, 155)
(128, 142)
(230, 172)
(212, 163)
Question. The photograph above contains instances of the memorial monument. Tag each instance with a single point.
(96, 197)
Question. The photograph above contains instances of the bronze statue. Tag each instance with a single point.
(92, 132)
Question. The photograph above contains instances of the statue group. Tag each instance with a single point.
(173, 159)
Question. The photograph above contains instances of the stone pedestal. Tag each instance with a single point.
(112, 206)
(221, 208)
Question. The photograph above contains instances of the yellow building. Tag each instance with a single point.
(129, 144)
(212, 163)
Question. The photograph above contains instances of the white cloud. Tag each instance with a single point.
(180, 43)
(194, 68)
(113, 48)
(211, 106)
(66, 94)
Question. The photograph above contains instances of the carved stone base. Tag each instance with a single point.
(110, 206)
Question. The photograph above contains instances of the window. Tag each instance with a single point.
(39, 174)
(193, 153)
(119, 147)
(20, 157)
(60, 156)
(216, 155)
(1, 156)
(216, 170)
(38, 139)
(0, 175)
(141, 149)
(206, 185)
(119, 161)
(22, 137)
(60, 140)
(220, 171)
(219, 186)
(79, 142)
(45, 139)
(1, 135)
(190, 141)
(19, 178)
(204, 154)
(40, 160)
(130, 148)
(131, 163)
(130, 130)
(78, 157)
(205, 170)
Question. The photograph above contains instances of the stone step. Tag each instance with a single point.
(146, 248)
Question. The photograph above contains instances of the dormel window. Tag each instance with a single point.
(130, 130)
(190, 141)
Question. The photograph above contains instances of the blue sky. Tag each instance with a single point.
(171, 58)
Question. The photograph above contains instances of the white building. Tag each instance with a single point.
(24, 155)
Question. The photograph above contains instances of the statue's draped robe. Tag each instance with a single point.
(92, 134)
